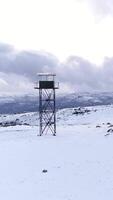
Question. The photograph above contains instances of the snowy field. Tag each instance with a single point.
(79, 160)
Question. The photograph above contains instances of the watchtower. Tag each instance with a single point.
(47, 102)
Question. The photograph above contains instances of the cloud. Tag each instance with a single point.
(26, 63)
(18, 72)
(30, 63)
(82, 76)
(13, 84)
(100, 7)
(18, 69)
(5, 48)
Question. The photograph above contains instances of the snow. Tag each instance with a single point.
(79, 160)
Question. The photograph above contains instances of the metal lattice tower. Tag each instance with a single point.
(47, 103)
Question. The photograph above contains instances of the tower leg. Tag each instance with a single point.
(47, 111)
(40, 111)
(54, 110)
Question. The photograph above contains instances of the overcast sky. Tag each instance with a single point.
(61, 27)
(69, 37)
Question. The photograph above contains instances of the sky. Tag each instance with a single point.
(61, 27)
(64, 36)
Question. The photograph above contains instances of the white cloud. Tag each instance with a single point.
(13, 84)
(100, 7)
(3, 84)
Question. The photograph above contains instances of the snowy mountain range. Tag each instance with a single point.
(29, 103)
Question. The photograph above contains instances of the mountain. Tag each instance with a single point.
(85, 99)
(29, 103)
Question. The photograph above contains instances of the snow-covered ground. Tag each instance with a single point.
(79, 160)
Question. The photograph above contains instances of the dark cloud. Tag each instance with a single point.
(18, 72)
(81, 75)
(25, 63)
(29, 63)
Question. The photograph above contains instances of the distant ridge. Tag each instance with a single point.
(29, 103)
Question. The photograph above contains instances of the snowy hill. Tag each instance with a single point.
(76, 164)
(67, 116)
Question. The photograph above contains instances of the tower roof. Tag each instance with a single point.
(46, 74)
